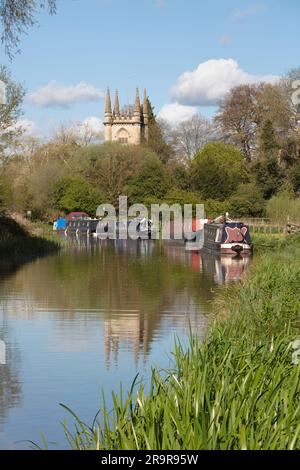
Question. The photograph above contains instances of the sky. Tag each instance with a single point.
(187, 53)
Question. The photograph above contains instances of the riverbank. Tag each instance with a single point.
(237, 390)
(21, 243)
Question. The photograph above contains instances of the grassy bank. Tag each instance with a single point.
(238, 390)
(19, 244)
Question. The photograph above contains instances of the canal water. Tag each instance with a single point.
(91, 317)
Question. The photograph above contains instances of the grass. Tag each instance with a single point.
(238, 390)
(17, 244)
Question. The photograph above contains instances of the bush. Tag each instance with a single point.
(75, 194)
(5, 194)
(151, 183)
(284, 208)
(248, 200)
(217, 170)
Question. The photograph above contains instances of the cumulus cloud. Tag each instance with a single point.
(175, 113)
(55, 94)
(209, 83)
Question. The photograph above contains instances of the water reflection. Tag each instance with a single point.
(92, 316)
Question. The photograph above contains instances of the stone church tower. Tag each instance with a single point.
(126, 127)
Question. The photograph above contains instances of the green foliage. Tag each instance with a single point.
(179, 196)
(248, 201)
(75, 194)
(5, 194)
(284, 208)
(9, 113)
(294, 177)
(215, 208)
(180, 176)
(268, 139)
(150, 183)
(269, 175)
(217, 170)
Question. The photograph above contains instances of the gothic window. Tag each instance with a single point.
(123, 140)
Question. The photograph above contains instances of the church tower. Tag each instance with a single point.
(129, 126)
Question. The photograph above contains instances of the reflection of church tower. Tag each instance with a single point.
(126, 127)
(131, 331)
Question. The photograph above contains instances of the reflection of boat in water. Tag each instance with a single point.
(221, 269)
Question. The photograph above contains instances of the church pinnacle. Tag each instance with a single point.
(137, 105)
(116, 105)
(108, 102)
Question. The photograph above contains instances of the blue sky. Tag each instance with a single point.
(151, 43)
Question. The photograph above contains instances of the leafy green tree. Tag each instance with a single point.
(157, 140)
(217, 170)
(268, 175)
(10, 112)
(248, 200)
(75, 194)
(294, 176)
(151, 183)
(16, 17)
(180, 176)
(269, 144)
(112, 166)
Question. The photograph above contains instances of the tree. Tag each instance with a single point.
(111, 166)
(5, 194)
(16, 17)
(151, 183)
(268, 175)
(217, 170)
(269, 144)
(179, 176)
(157, 141)
(294, 176)
(237, 118)
(10, 112)
(76, 194)
(248, 200)
(247, 109)
(191, 135)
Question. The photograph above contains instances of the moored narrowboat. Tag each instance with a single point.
(227, 237)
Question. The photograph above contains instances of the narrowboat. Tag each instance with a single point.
(227, 237)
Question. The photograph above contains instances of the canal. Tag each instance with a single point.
(90, 317)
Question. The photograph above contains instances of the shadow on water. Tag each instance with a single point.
(91, 316)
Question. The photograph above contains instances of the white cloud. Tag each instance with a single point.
(27, 126)
(175, 113)
(250, 11)
(209, 83)
(55, 94)
(92, 125)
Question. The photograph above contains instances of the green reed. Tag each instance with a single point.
(238, 390)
